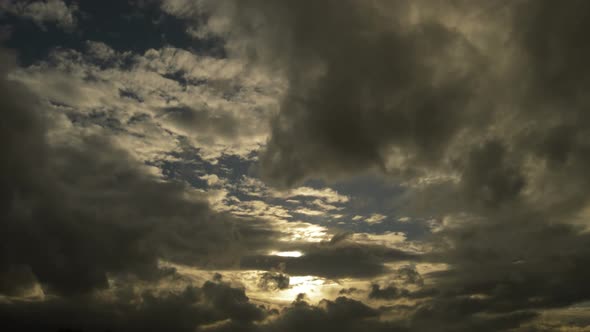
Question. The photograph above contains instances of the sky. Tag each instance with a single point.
(294, 165)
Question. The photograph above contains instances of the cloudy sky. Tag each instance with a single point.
(294, 165)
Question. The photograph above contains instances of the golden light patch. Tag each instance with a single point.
(286, 253)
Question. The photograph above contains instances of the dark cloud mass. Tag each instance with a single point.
(361, 85)
(274, 281)
(74, 213)
(169, 312)
(476, 110)
(389, 86)
(333, 261)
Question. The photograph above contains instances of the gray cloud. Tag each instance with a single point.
(274, 281)
(333, 260)
(76, 213)
(365, 84)
(490, 141)
(485, 122)
(42, 12)
(203, 122)
(179, 311)
(386, 293)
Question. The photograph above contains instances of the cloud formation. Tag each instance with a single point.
(41, 12)
(78, 209)
(396, 89)
(477, 112)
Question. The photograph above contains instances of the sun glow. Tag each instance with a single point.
(287, 253)
(310, 285)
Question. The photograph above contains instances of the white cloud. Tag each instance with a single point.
(389, 239)
(324, 198)
(213, 180)
(298, 231)
(254, 208)
(309, 212)
(223, 108)
(327, 194)
(324, 206)
(375, 218)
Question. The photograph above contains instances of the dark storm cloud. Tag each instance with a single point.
(409, 275)
(340, 260)
(462, 315)
(538, 265)
(274, 281)
(182, 311)
(489, 177)
(523, 255)
(552, 36)
(372, 86)
(386, 293)
(75, 213)
(360, 84)
(372, 89)
(203, 122)
(348, 315)
(348, 291)
(342, 314)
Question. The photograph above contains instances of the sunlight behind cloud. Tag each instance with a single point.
(287, 253)
(301, 231)
(313, 287)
